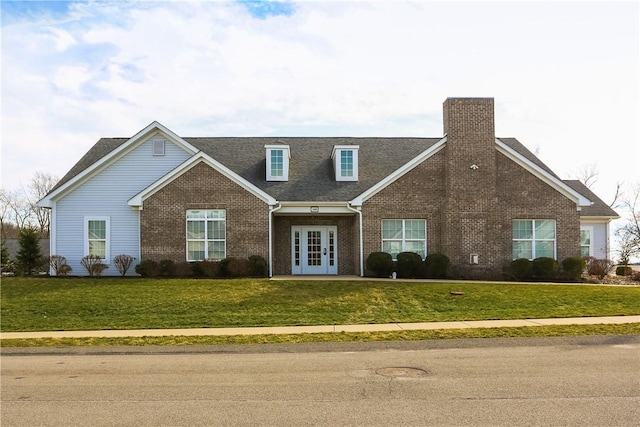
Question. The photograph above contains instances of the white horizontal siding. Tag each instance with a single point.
(106, 194)
(600, 239)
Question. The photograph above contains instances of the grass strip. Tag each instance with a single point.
(77, 303)
(506, 332)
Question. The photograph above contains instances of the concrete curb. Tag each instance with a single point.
(323, 328)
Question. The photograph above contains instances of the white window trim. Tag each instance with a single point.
(206, 246)
(533, 239)
(336, 155)
(404, 239)
(107, 249)
(286, 155)
(591, 230)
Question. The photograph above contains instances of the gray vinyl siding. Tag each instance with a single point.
(106, 195)
(600, 241)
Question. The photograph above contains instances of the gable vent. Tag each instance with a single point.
(158, 147)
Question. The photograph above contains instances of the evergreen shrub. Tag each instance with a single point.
(521, 269)
(409, 265)
(379, 264)
(436, 266)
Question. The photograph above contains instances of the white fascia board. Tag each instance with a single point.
(407, 167)
(114, 155)
(543, 175)
(597, 219)
(137, 200)
(313, 208)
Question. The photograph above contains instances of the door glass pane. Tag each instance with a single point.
(314, 248)
(296, 248)
(331, 249)
(585, 237)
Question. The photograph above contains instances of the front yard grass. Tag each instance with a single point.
(46, 304)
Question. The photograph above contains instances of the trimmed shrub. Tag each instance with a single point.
(436, 266)
(599, 267)
(521, 269)
(207, 268)
(572, 268)
(123, 263)
(409, 265)
(544, 268)
(184, 269)
(167, 268)
(623, 270)
(236, 267)
(94, 265)
(59, 265)
(260, 266)
(379, 264)
(148, 268)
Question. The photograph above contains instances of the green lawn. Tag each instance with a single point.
(32, 304)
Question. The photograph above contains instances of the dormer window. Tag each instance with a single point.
(345, 162)
(277, 162)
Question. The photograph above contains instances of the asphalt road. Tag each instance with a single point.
(592, 381)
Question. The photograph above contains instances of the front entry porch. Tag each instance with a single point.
(315, 245)
(314, 250)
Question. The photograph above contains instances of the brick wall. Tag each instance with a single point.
(470, 210)
(163, 218)
(347, 229)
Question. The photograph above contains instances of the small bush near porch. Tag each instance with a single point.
(73, 303)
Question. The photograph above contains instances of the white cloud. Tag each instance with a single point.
(564, 76)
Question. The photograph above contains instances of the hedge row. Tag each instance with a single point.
(254, 266)
(409, 265)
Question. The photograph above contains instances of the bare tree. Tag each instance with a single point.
(587, 174)
(40, 185)
(629, 233)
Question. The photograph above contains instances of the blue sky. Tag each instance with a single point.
(564, 75)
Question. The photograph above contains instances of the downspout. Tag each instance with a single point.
(271, 211)
(359, 212)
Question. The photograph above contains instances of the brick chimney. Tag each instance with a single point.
(470, 183)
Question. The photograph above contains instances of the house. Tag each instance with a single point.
(319, 205)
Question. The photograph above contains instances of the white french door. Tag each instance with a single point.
(314, 250)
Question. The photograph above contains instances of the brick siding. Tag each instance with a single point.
(163, 218)
(347, 229)
(470, 210)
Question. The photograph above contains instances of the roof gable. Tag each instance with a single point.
(542, 172)
(138, 199)
(104, 153)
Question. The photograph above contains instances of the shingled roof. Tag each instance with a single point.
(311, 176)
(599, 208)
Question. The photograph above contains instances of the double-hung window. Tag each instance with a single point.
(586, 241)
(96, 237)
(206, 234)
(404, 235)
(534, 238)
(345, 162)
(278, 157)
